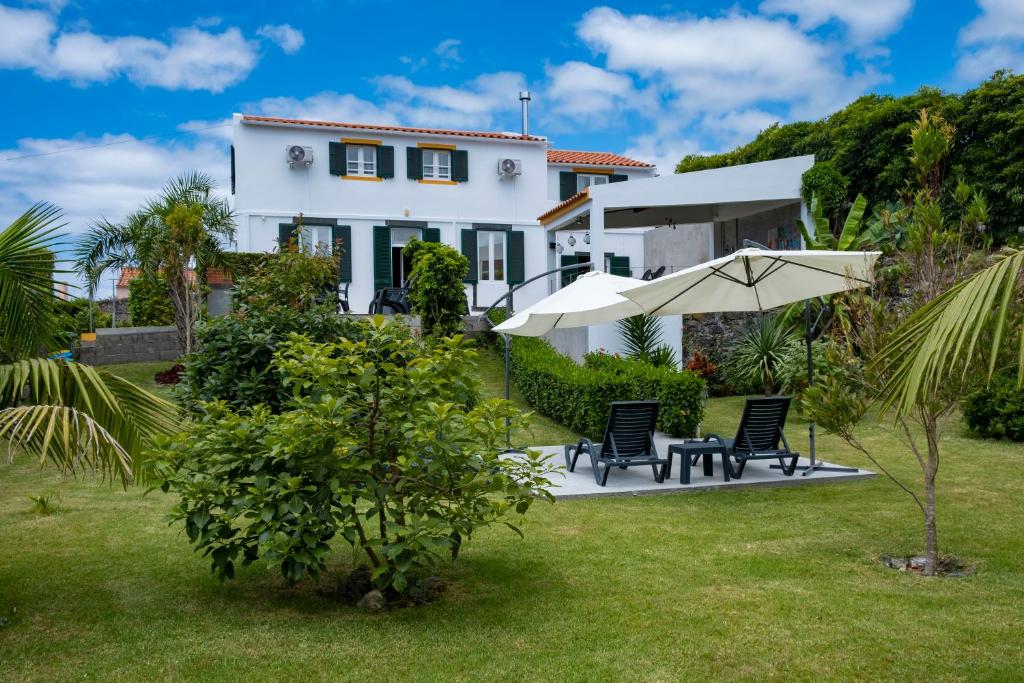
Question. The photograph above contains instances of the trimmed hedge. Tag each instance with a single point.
(580, 396)
(997, 411)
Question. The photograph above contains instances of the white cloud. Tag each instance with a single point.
(325, 106)
(866, 20)
(662, 150)
(191, 59)
(287, 38)
(993, 40)
(737, 127)
(448, 50)
(478, 103)
(587, 92)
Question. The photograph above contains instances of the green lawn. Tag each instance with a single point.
(757, 584)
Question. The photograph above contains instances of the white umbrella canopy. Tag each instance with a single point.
(754, 280)
(594, 298)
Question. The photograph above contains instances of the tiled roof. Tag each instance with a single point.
(568, 156)
(562, 207)
(214, 276)
(395, 129)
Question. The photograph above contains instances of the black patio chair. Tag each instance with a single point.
(628, 441)
(390, 300)
(760, 436)
(343, 298)
(648, 275)
(658, 273)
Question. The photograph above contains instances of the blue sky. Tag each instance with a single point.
(653, 80)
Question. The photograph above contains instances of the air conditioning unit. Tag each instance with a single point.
(510, 167)
(297, 154)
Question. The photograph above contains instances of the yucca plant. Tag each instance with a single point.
(759, 354)
(73, 415)
(641, 337)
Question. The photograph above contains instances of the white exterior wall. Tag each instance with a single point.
(632, 173)
(268, 192)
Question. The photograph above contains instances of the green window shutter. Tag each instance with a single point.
(460, 166)
(619, 265)
(381, 256)
(516, 257)
(469, 251)
(617, 178)
(566, 185)
(285, 234)
(385, 161)
(341, 236)
(569, 275)
(431, 234)
(336, 158)
(414, 163)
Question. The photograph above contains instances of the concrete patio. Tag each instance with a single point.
(640, 480)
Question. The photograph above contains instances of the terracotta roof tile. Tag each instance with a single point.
(396, 129)
(562, 207)
(568, 156)
(214, 276)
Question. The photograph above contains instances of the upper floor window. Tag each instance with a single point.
(361, 160)
(584, 180)
(491, 255)
(437, 164)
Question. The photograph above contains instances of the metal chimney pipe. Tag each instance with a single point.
(524, 97)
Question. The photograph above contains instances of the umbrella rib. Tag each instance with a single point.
(827, 272)
(713, 273)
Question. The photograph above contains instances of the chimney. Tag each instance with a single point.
(524, 97)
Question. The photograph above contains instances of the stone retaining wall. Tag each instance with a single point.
(131, 345)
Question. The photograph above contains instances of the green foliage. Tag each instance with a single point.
(641, 335)
(867, 142)
(829, 185)
(75, 317)
(436, 292)
(148, 302)
(757, 359)
(996, 411)
(234, 359)
(45, 504)
(289, 279)
(376, 449)
(580, 397)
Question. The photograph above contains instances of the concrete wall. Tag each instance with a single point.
(678, 248)
(131, 345)
(762, 227)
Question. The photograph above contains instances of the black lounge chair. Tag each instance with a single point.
(628, 441)
(759, 436)
(648, 275)
(658, 273)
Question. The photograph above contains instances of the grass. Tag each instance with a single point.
(142, 374)
(763, 584)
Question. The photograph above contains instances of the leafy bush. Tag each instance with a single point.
(824, 181)
(997, 411)
(755, 363)
(641, 335)
(580, 397)
(75, 316)
(436, 292)
(290, 279)
(234, 360)
(149, 302)
(377, 451)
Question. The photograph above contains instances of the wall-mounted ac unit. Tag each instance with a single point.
(510, 167)
(297, 154)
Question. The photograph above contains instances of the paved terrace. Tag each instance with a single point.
(640, 480)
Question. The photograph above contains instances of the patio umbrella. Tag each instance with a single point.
(758, 279)
(593, 298)
(754, 279)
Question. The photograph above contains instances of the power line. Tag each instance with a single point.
(119, 142)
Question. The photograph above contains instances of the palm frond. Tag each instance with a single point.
(126, 413)
(942, 337)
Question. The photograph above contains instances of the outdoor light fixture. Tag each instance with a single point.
(572, 241)
(559, 249)
(586, 238)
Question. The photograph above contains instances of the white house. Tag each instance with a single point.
(373, 188)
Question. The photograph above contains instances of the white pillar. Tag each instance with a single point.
(597, 235)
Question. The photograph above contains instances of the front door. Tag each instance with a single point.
(401, 265)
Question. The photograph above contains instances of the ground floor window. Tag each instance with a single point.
(491, 255)
(315, 239)
(401, 265)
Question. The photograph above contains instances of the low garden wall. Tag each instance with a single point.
(131, 345)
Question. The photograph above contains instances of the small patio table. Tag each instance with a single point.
(691, 448)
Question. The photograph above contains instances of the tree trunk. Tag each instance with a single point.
(930, 472)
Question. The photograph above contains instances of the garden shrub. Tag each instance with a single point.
(436, 291)
(996, 411)
(233, 362)
(75, 317)
(377, 450)
(580, 396)
(149, 302)
(292, 279)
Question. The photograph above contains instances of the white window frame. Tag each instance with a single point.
(585, 180)
(437, 164)
(316, 239)
(361, 160)
(486, 253)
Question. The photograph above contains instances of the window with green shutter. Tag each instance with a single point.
(566, 185)
(431, 234)
(569, 275)
(336, 158)
(285, 233)
(469, 251)
(381, 256)
(617, 178)
(460, 166)
(516, 257)
(341, 236)
(619, 265)
(385, 161)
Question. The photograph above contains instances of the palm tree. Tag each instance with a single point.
(179, 230)
(71, 414)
